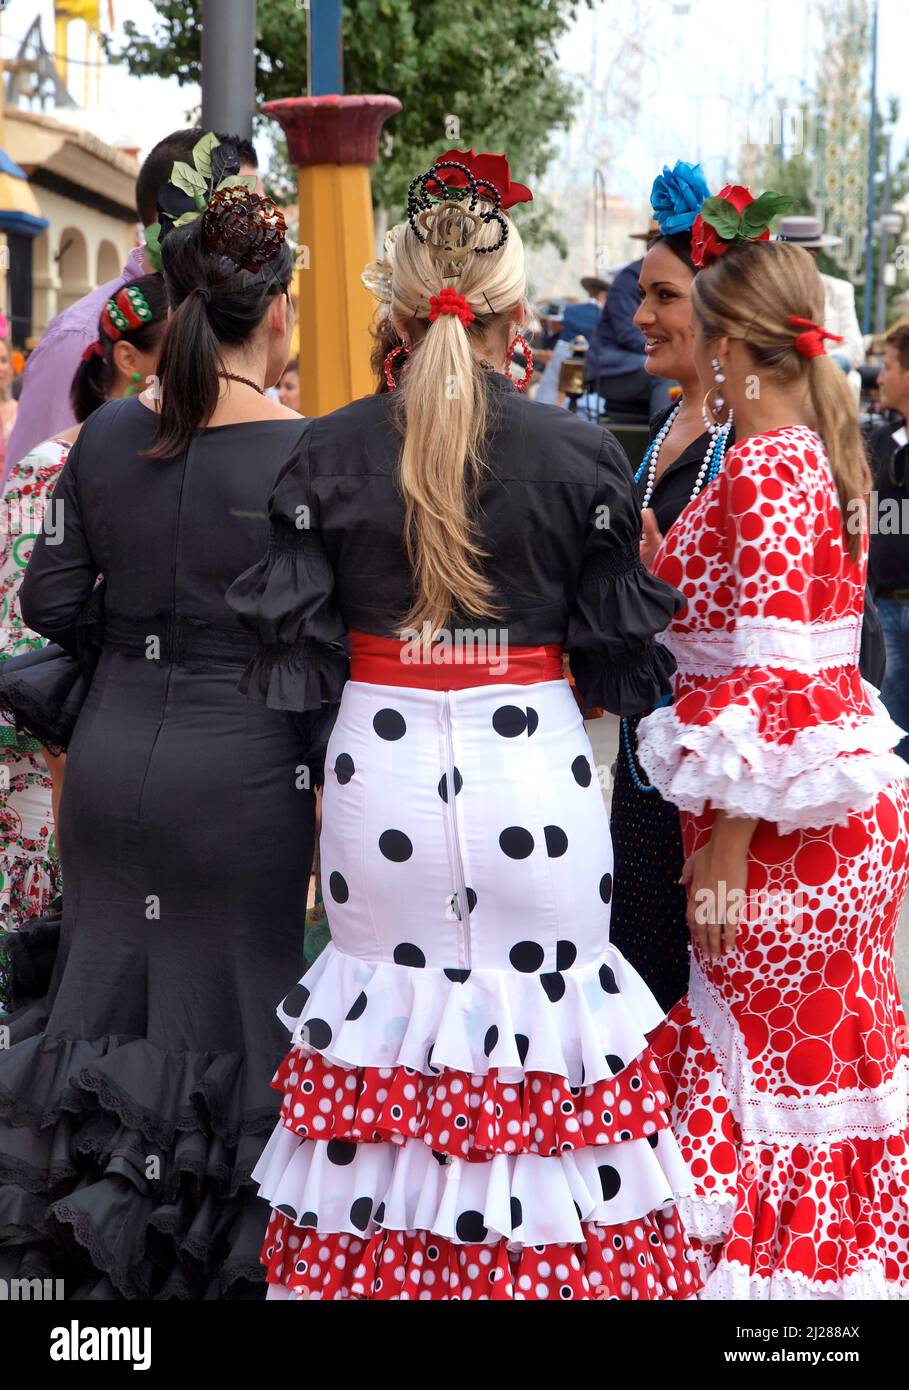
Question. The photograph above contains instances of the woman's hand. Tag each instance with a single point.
(716, 878)
(651, 539)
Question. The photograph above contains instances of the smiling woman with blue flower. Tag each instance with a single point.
(648, 923)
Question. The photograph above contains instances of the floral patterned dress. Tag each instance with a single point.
(787, 1062)
(29, 872)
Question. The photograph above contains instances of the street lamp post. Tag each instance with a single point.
(229, 66)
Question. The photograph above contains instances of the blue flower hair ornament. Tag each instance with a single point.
(677, 195)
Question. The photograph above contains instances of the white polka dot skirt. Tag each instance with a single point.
(470, 1109)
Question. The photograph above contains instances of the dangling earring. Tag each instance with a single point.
(134, 387)
(528, 361)
(711, 424)
(388, 364)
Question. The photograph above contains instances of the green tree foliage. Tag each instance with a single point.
(486, 70)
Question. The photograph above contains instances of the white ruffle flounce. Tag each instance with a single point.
(822, 776)
(525, 1199)
(587, 1025)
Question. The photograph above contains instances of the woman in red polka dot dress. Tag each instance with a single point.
(470, 1106)
(787, 1061)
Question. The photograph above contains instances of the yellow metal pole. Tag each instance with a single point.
(333, 140)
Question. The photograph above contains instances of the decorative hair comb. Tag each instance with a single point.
(245, 228)
(126, 311)
(446, 221)
(734, 215)
(215, 166)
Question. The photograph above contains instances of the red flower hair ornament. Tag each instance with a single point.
(449, 301)
(492, 168)
(734, 215)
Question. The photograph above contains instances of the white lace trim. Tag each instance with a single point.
(707, 1217)
(733, 1280)
(779, 642)
(817, 779)
(852, 1113)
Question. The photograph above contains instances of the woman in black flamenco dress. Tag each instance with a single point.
(134, 1096)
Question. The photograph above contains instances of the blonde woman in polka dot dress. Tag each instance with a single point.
(470, 1107)
(787, 1061)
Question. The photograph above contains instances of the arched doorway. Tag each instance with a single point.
(72, 268)
(109, 263)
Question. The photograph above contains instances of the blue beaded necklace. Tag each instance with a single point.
(713, 462)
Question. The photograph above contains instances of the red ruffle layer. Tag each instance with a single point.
(644, 1259)
(472, 1117)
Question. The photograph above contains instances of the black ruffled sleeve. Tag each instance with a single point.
(288, 600)
(619, 606)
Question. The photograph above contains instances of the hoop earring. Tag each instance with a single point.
(711, 423)
(388, 364)
(528, 361)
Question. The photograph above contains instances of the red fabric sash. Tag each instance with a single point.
(391, 661)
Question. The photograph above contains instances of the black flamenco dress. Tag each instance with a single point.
(134, 1094)
(648, 907)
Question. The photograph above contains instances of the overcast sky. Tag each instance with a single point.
(680, 90)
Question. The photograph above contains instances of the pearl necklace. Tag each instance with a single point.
(713, 462)
(713, 458)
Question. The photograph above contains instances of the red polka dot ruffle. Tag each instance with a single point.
(645, 1259)
(470, 1117)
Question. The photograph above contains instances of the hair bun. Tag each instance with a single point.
(245, 228)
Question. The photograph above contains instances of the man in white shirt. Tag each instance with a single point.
(840, 316)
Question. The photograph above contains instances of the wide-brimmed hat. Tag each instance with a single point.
(805, 231)
(594, 285)
(652, 231)
(551, 309)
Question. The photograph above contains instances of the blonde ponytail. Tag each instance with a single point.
(750, 294)
(443, 419)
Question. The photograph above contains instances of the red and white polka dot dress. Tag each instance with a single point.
(787, 1062)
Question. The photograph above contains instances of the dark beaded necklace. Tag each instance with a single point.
(244, 380)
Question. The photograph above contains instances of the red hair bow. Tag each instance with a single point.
(810, 342)
(449, 301)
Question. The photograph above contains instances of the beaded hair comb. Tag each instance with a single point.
(245, 228)
(447, 221)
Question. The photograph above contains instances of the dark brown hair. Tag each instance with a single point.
(214, 305)
(898, 338)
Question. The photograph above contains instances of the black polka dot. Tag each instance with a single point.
(606, 888)
(439, 1157)
(517, 1213)
(457, 977)
(614, 1063)
(471, 903)
(653, 1140)
(389, 725)
(408, 954)
(295, 1002)
(566, 955)
(379, 1214)
(443, 784)
(317, 1032)
(489, 1042)
(357, 1007)
(361, 1212)
(522, 1043)
(554, 985)
(610, 1181)
(607, 979)
(470, 1229)
(309, 1218)
(533, 720)
(341, 1151)
(287, 1210)
(509, 721)
(337, 887)
(395, 845)
(580, 771)
(526, 956)
(516, 842)
(556, 841)
(344, 768)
